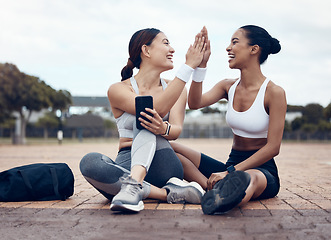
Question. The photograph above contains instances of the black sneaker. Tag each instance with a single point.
(226, 193)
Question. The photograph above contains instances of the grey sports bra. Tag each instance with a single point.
(126, 120)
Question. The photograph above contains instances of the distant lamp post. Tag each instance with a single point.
(59, 131)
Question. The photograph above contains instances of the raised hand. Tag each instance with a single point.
(196, 51)
(207, 51)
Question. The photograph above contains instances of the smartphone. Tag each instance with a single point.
(143, 102)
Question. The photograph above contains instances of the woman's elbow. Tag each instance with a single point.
(274, 150)
(175, 134)
(193, 106)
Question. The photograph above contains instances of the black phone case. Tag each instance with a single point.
(143, 102)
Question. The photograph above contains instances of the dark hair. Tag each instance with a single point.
(259, 36)
(138, 39)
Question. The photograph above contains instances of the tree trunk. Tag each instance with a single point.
(17, 136)
(45, 133)
(20, 131)
(23, 128)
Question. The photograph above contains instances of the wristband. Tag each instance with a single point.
(199, 74)
(184, 73)
(231, 169)
(168, 129)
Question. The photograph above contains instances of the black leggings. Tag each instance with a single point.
(210, 165)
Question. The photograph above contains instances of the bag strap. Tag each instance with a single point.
(28, 184)
(56, 184)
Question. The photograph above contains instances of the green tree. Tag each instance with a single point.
(313, 113)
(61, 100)
(109, 124)
(327, 113)
(294, 108)
(4, 113)
(210, 110)
(297, 123)
(287, 127)
(324, 126)
(309, 128)
(22, 93)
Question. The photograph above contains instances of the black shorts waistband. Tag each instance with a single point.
(124, 149)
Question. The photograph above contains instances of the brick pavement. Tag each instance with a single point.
(302, 209)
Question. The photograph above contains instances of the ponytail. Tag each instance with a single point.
(127, 71)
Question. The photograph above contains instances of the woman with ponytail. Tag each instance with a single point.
(256, 114)
(146, 166)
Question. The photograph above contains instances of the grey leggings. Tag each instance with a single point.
(103, 173)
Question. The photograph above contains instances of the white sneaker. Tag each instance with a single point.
(183, 192)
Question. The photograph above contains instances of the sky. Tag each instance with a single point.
(82, 45)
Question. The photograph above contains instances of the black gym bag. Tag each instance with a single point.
(37, 182)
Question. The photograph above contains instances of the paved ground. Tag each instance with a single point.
(302, 210)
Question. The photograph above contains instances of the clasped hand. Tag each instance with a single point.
(214, 178)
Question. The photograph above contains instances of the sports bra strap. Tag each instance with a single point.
(135, 85)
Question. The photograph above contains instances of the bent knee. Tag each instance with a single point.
(89, 161)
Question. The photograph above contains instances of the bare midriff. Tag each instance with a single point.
(248, 144)
(125, 142)
(239, 143)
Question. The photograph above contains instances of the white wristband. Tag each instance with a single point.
(184, 73)
(199, 74)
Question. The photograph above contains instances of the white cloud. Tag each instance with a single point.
(81, 45)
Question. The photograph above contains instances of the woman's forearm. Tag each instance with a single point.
(166, 100)
(260, 157)
(194, 96)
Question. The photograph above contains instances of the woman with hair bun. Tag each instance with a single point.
(146, 154)
(256, 114)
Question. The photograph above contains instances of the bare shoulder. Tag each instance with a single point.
(226, 83)
(119, 87)
(275, 91)
(275, 97)
(229, 81)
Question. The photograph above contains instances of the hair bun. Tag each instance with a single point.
(274, 46)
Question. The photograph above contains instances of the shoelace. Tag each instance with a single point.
(131, 186)
(133, 189)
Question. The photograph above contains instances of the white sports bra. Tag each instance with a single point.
(126, 120)
(252, 123)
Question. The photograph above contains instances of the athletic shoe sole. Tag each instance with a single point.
(119, 206)
(226, 194)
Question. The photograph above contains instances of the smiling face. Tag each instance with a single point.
(161, 53)
(239, 50)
